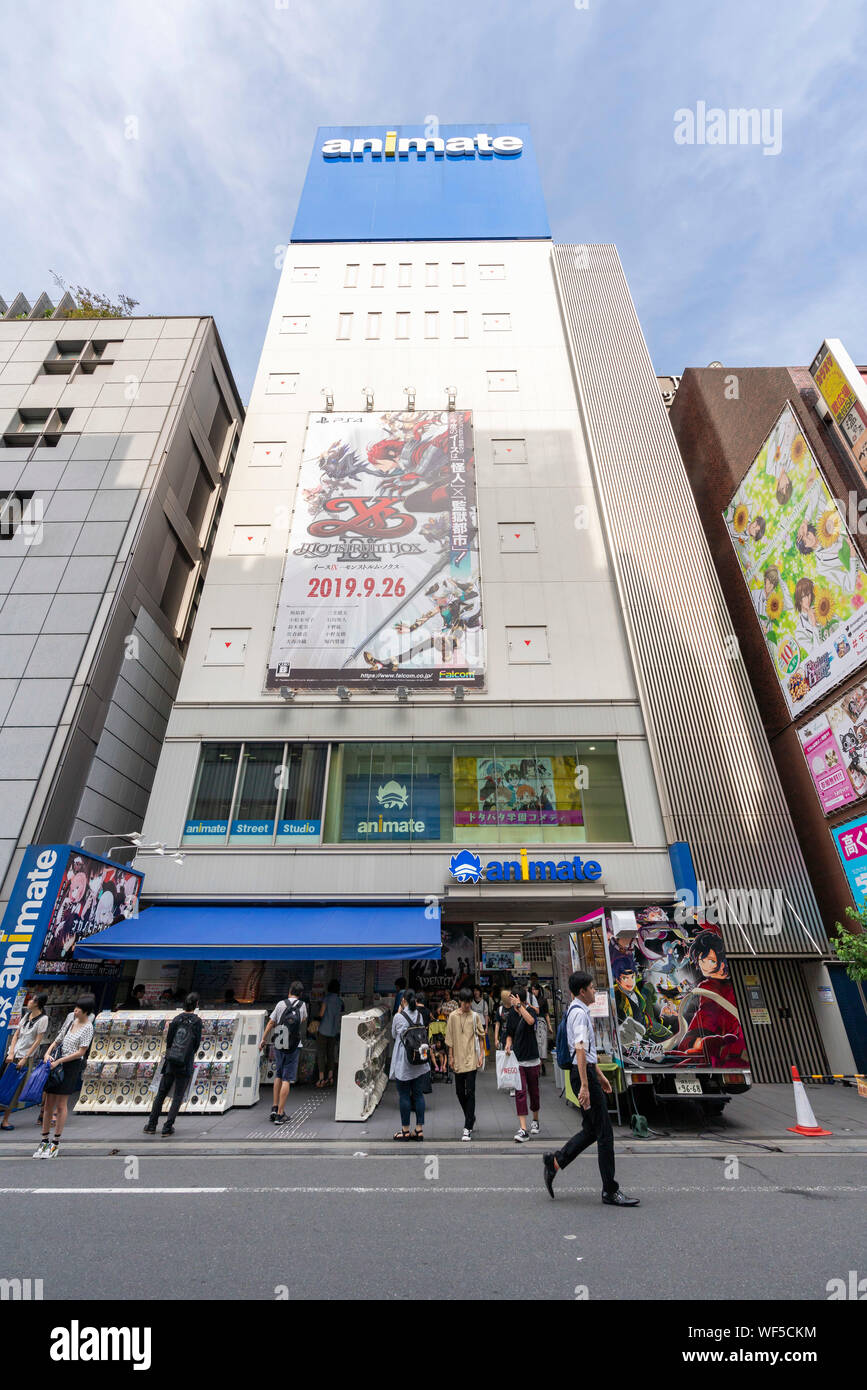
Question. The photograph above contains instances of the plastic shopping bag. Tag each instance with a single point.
(508, 1072)
(35, 1085)
(9, 1082)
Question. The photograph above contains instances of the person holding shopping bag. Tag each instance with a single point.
(23, 1050)
(66, 1057)
(521, 1040)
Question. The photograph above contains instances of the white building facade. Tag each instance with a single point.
(589, 741)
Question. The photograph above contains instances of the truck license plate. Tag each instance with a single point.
(687, 1086)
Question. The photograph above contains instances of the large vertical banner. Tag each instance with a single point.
(381, 585)
(805, 577)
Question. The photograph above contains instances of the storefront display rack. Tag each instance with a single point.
(362, 1076)
(127, 1052)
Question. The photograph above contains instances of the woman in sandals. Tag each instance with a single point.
(68, 1051)
(408, 1075)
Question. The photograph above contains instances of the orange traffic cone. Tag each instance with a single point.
(804, 1111)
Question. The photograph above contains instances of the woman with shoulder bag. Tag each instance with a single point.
(409, 1075)
(67, 1056)
(24, 1046)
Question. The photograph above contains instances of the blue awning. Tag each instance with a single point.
(296, 931)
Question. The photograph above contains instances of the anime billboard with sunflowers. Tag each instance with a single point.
(805, 577)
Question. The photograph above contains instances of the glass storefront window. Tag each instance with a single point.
(477, 794)
(255, 809)
(474, 794)
(208, 821)
(258, 794)
(299, 813)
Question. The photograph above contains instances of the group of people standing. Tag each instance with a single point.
(520, 1025)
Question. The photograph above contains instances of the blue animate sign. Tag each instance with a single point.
(466, 867)
(421, 183)
(387, 810)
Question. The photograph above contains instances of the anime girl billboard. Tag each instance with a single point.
(381, 583)
(675, 1002)
(94, 894)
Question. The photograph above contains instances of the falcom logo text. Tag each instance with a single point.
(455, 147)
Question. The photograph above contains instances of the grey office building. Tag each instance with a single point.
(117, 439)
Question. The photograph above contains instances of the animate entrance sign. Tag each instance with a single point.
(466, 867)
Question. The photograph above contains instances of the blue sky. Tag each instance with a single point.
(730, 254)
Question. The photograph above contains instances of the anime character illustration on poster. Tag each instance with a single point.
(674, 998)
(93, 894)
(802, 569)
(381, 584)
(677, 1020)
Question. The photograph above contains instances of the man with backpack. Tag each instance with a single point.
(286, 1023)
(182, 1044)
(576, 1053)
(410, 1064)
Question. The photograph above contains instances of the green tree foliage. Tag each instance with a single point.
(851, 947)
(90, 304)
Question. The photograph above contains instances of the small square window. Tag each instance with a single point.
(431, 324)
(404, 275)
(282, 384)
(432, 273)
(527, 645)
(509, 450)
(374, 326)
(516, 536)
(227, 646)
(461, 322)
(305, 274)
(377, 275)
(496, 323)
(249, 540)
(344, 328)
(350, 280)
(492, 272)
(266, 454)
(295, 323)
(401, 328)
(459, 273)
(502, 381)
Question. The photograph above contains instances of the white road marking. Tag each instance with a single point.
(132, 1189)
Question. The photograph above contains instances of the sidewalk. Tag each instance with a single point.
(763, 1114)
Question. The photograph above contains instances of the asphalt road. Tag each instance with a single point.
(476, 1226)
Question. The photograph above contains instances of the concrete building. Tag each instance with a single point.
(721, 417)
(117, 439)
(314, 760)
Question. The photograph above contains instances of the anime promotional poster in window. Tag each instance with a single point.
(674, 997)
(517, 791)
(381, 582)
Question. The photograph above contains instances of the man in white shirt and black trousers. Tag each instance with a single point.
(591, 1088)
